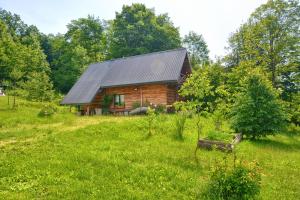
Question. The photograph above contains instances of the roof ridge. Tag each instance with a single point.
(140, 55)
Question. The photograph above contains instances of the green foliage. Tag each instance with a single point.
(38, 87)
(219, 115)
(219, 135)
(137, 30)
(88, 33)
(21, 63)
(197, 48)
(180, 124)
(270, 40)
(160, 108)
(238, 182)
(67, 60)
(257, 111)
(106, 102)
(53, 152)
(294, 109)
(151, 116)
(48, 110)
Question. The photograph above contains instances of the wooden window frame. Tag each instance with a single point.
(119, 104)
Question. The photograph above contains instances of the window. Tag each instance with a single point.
(119, 100)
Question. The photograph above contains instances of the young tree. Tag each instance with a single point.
(137, 30)
(197, 91)
(197, 48)
(257, 112)
(38, 87)
(205, 88)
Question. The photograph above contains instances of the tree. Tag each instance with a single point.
(197, 91)
(69, 66)
(137, 30)
(205, 88)
(271, 40)
(88, 33)
(19, 61)
(38, 87)
(11, 61)
(69, 54)
(258, 111)
(197, 49)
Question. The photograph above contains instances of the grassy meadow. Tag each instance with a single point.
(108, 157)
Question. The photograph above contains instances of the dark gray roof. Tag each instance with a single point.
(164, 66)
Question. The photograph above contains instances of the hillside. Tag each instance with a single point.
(112, 158)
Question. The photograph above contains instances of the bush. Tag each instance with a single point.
(160, 108)
(179, 124)
(238, 182)
(106, 102)
(257, 111)
(48, 110)
(150, 120)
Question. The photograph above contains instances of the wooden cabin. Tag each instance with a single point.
(152, 78)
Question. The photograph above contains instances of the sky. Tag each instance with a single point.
(214, 19)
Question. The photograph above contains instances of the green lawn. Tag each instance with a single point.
(101, 157)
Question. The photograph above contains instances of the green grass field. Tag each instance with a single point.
(106, 157)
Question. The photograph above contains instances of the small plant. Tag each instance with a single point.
(160, 108)
(238, 182)
(136, 105)
(106, 102)
(179, 124)
(48, 110)
(150, 120)
(218, 119)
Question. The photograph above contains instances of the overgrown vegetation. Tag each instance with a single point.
(109, 157)
(106, 103)
(48, 110)
(151, 117)
(180, 124)
(64, 156)
(236, 181)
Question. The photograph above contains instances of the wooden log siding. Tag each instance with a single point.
(152, 93)
(171, 94)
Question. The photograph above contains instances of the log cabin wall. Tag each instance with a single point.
(151, 93)
(172, 95)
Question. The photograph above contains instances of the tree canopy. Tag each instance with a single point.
(197, 48)
(137, 30)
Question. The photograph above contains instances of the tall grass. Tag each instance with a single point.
(107, 157)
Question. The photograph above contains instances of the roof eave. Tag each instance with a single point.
(143, 83)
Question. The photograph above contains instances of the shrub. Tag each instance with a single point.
(106, 102)
(136, 105)
(179, 124)
(257, 111)
(160, 108)
(48, 110)
(150, 120)
(238, 182)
